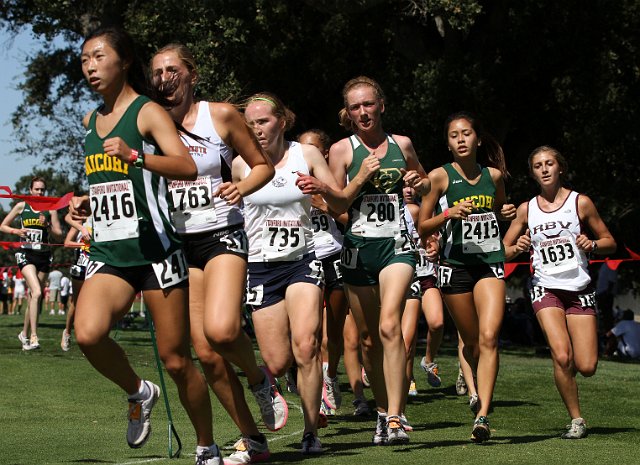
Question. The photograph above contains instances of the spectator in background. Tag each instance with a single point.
(54, 290)
(606, 290)
(65, 288)
(4, 293)
(18, 294)
(627, 335)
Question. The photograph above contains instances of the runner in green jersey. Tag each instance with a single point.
(34, 256)
(468, 200)
(378, 257)
(134, 247)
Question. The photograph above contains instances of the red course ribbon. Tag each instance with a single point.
(39, 203)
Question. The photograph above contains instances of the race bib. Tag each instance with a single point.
(83, 260)
(336, 267)
(316, 271)
(192, 202)
(113, 208)
(92, 268)
(33, 239)
(172, 270)
(480, 233)
(349, 258)
(255, 295)
(537, 293)
(21, 258)
(444, 276)
(237, 242)
(587, 300)
(404, 244)
(558, 255)
(321, 227)
(378, 216)
(282, 239)
(424, 267)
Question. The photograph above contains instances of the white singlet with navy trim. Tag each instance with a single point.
(195, 209)
(424, 267)
(556, 260)
(278, 216)
(326, 235)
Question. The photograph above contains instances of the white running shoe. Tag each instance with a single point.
(576, 430)
(380, 437)
(210, 456)
(331, 392)
(139, 417)
(432, 370)
(273, 408)
(52, 312)
(325, 409)
(248, 450)
(461, 384)
(396, 433)
(311, 444)
(34, 343)
(481, 431)
(474, 403)
(24, 340)
(65, 342)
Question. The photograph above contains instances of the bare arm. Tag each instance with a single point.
(415, 176)
(604, 242)
(235, 132)
(340, 158)
(6, 227)
(515, 242)
(155, 123)
(78, 226)
(320, 180)
(56, 227)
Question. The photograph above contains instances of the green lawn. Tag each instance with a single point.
(55, 409)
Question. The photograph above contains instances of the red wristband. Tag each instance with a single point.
(133, 157)
(446, 214)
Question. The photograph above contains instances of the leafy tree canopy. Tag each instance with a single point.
(537, 71)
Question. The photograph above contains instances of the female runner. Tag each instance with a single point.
(378, 257)
(207, 215)
(131, 144)
(468, 198)
(34, 259)
(285, 283)
(552, 224)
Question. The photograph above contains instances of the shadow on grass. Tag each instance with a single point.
(511, 403)
(144, 457)
(607, 430)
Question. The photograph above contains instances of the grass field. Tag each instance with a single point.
(55, 409)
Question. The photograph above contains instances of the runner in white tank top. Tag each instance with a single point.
(553, 224)
(278, 216)
(206, 213)
(195, 207)
(285, 279)
(556, 260)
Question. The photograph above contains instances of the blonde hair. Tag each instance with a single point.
(343, 114)
(278, 108)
